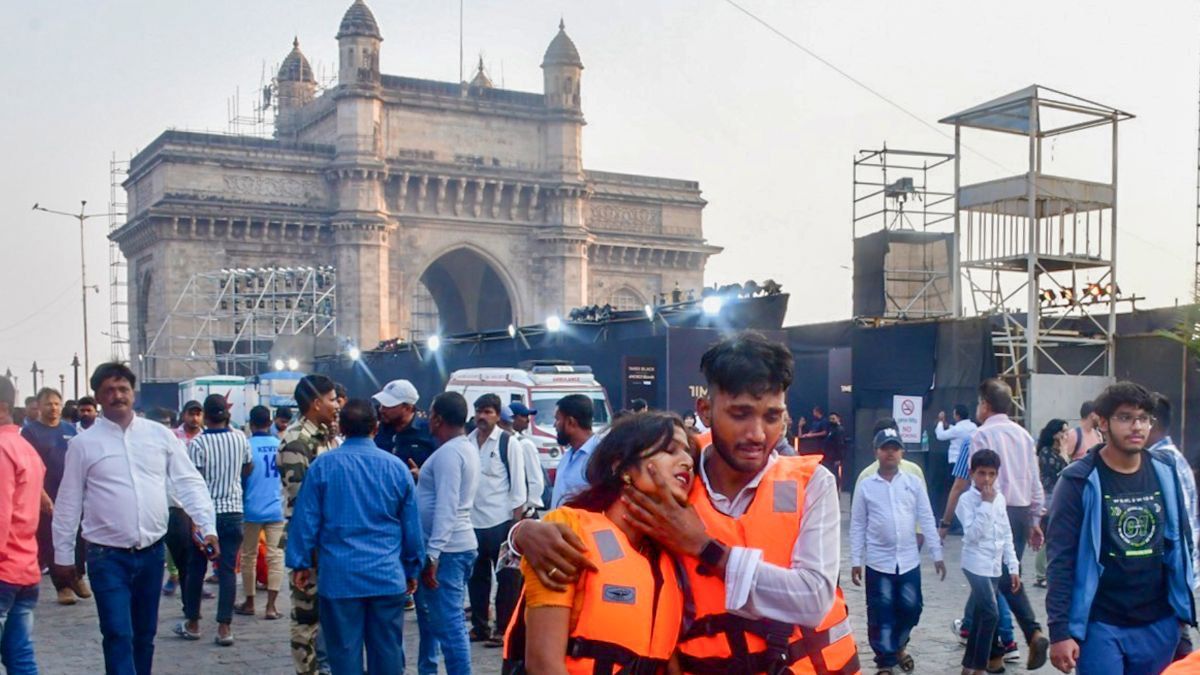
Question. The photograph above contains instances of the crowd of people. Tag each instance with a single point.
(665, 544)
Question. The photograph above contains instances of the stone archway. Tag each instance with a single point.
(460, 292)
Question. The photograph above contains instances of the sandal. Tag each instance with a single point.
(905, 661)
(272, 615)
(181, 630)
(241, 609)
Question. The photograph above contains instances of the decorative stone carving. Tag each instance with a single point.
(625, 218)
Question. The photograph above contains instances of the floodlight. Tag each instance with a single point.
(553, 323)
(355, 353)
(293, 364)
(712, 305)
(278, 364)
(434, 342)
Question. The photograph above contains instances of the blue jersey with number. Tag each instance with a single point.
(261, 502)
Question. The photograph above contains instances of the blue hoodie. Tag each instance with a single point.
(1073, 541)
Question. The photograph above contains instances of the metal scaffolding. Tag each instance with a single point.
(118, 279)
(225, 322)
(908, 192)
(1038, 250)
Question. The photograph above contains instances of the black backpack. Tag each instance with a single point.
(547, 490)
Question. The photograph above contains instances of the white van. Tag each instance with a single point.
(539, 385)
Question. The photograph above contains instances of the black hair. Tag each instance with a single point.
(1123, 393)
(29, 400)
(885, 423)
(627, 443)
(748, 363)
(8, 393)
(162, 416)
(282, 412)
(358, 418)
(106, 371)
(1087, 408)
(70, 411)
(339, 391)
(997, 395)
(985, 457)
(86, 400)
(961, 411)
(309, 389)
(1162, 411)
(621, 414)
(817, 409)
(47, 391)
(451, 407)
(578, 407)
(260, 417)
(1046, 437)
(488, 401)
(639, 405)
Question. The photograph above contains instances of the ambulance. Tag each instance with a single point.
(539, 385)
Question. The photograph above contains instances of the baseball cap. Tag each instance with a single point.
(192, 405)
(519, 408)
(506, 414)
(215, 406)
(886, 436)
(397, 392)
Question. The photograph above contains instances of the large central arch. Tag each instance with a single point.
(460, 292)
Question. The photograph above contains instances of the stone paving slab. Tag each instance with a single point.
(68, 638)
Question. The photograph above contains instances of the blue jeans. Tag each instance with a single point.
(127, 586)
(981, 643)
(440, 617)
(1128, 649)
(376, 622)
(893, 607)
(16, 627)
(1005, 627)
(229, 536)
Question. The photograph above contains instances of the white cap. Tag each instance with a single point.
(397, 392)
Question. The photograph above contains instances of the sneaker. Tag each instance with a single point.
(182, 631)
(170, 586)
(1012, 653)
(66, 596)
(409, 604)
(82, 588)
(959, 632)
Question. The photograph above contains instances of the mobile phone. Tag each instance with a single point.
(209, 552)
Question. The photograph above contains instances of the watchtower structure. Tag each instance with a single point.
(1039, 251)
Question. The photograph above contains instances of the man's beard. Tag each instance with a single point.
(562, 438)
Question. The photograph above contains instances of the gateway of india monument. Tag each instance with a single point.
(438, 207)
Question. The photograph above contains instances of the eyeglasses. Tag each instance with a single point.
(1131, 420)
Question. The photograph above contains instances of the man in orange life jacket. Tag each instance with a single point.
(758, 540)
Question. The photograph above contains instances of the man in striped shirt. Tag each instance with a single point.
(1021, 486)
(222, 456)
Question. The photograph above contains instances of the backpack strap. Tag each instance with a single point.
(504, 436)
(1078, 440)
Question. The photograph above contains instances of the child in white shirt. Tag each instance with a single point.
(987, 544)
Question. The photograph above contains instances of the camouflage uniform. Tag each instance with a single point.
(300, 445)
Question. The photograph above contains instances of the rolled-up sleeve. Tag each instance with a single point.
(190, 488)
(803, 593)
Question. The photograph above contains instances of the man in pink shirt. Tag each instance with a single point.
(21, 476)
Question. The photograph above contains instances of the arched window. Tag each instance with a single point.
(625, 299)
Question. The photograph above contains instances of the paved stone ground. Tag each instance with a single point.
(68, 638)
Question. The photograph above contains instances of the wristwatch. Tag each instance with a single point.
(710, 558)
(943, 524)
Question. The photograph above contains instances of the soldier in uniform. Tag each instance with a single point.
(310, 435)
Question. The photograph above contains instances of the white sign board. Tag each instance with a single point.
(907, 412)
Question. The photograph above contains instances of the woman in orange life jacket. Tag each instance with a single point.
(624, 616)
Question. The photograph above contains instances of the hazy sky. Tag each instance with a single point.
(687, 89)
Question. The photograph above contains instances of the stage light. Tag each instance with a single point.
(712, 305)
(293, 364)
(1047, 296)
(278, 364)
(434, 343)
(553, 323)
(1068, 295)
(649, 312)
(512, 331)
(355, 353)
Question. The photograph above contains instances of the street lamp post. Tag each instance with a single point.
(81, 216)
(62, 382)
(75, 367)
(35, 370)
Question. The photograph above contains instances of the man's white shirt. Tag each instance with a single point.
(883, 516)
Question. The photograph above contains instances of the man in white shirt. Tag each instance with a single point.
(534, 481)
(886, 509)
(958, 433)
(499, 502)
(117, 476)
(445, 494)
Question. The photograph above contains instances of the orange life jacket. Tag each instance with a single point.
(630, 609)
(720, 643)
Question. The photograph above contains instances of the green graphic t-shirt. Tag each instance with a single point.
(1133, 587)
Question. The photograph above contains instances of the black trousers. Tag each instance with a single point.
(179, 543)
(479, 587)
(1022, 610)
(45, 542)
